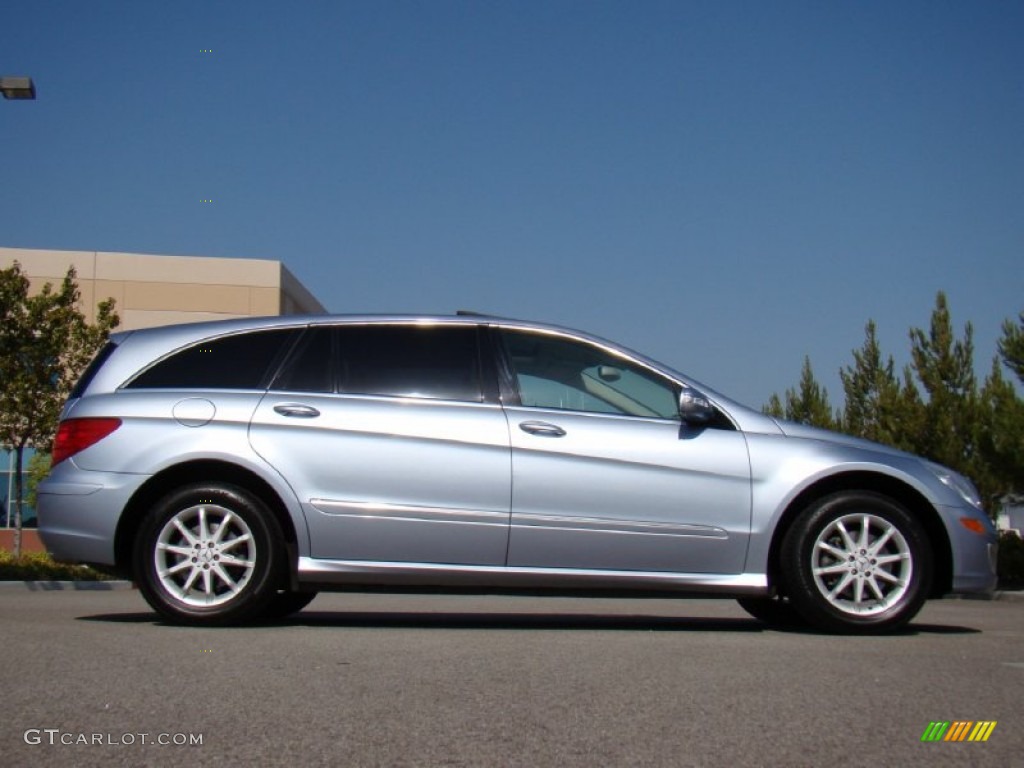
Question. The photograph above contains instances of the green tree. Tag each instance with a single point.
(1011, 346)
(906, 423)
(807, 404)
(35, 472)
(774, 407)
(873, 394)
(944, 365)
(45, 343)
(999, 467)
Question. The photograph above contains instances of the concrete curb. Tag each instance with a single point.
(58, 586)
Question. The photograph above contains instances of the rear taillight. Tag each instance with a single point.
(74, 435)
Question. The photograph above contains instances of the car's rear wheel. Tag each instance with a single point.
(857, 562)
(209, 554)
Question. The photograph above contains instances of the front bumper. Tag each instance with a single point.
(974, 554)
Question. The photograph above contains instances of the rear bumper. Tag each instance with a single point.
(79, 512)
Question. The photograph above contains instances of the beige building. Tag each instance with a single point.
(159, 290)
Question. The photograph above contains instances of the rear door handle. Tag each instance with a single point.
(542, 428)
(297, 410)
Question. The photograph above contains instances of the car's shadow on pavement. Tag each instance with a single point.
(518, 621)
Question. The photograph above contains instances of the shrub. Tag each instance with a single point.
(39, 566)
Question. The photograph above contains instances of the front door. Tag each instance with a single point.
(604, 474)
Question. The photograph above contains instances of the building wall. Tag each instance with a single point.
(1011, 519)
(160, 290)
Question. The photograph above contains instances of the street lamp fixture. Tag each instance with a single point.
(17, 87)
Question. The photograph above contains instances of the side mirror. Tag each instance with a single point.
(694, 408)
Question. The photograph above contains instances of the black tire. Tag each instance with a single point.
(857, 562)
(209, 554)
(284, 604)
(777, 612)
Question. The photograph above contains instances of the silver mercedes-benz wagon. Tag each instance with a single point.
(233, 469)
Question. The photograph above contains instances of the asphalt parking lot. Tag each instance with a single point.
(92, 678)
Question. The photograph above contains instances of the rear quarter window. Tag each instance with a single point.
(239, 361)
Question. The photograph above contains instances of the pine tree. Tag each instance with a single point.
(774, 407)
(809, 403)
(1011, 346)
(944, 365)
(999, 470)
(872, 406)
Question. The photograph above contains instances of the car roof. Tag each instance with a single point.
(188, 333)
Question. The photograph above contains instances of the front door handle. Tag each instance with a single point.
(297, 410)
(542, 428)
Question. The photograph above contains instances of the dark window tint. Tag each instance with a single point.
(94, 366)
(439, 362)
(241, 361)
(309, 368)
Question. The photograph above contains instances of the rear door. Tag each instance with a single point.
(391, 436)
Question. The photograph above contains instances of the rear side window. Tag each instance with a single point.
(310, 367)
(239, 361)
(437, 362)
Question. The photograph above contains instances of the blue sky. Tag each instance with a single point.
(726, 186)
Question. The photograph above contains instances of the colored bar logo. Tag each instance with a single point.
(958, 730)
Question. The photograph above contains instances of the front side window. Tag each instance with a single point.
(239, 361)
(428, 361)
(553, 372)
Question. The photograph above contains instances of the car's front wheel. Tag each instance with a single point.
(857, 562)
(209, 554)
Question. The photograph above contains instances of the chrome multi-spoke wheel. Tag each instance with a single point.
(205, 555)
(862, 564)
(210, 554)
(856, 561)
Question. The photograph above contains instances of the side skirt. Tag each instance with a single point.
(342, 574)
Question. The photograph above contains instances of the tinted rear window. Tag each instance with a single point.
(440, 362)
(239, 361)
(310, 367)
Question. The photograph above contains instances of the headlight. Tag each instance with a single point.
(957, 482)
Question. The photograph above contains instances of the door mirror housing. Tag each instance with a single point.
(694, 408)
